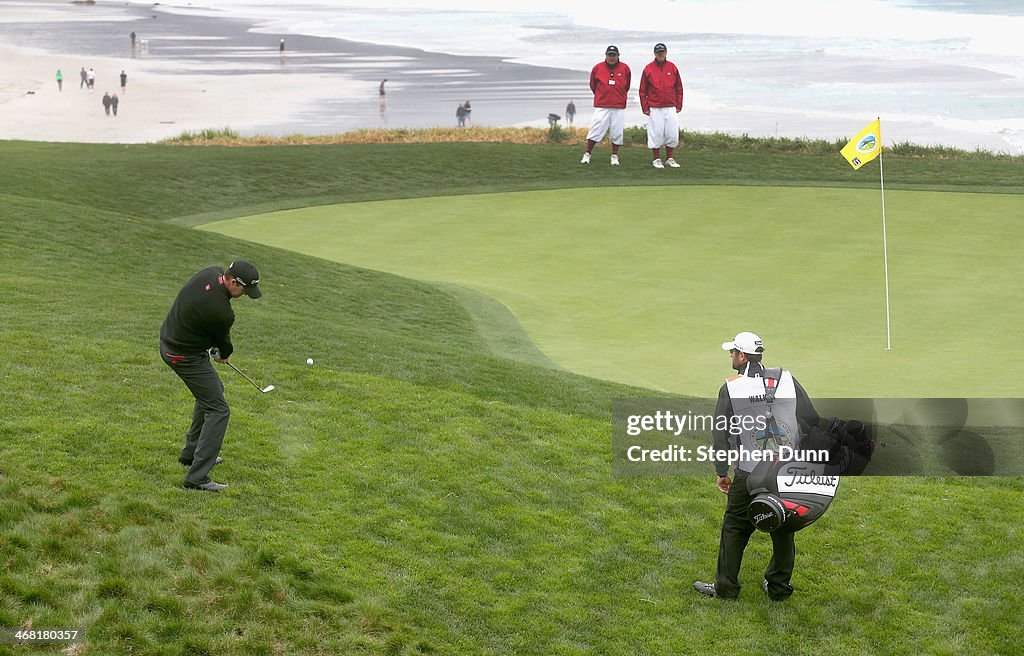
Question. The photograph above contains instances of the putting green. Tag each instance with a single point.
(642, 285)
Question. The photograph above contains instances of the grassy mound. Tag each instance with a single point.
(190, 186)
(323, 471)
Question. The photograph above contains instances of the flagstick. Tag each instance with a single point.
(885, 254)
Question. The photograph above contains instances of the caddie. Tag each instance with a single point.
(743, 402)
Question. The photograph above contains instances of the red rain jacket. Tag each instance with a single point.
(610, 85)
(661, 86)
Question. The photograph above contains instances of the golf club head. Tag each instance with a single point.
(268, 388)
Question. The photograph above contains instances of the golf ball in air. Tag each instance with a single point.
(309, 360)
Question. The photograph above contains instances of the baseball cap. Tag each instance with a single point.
(611, 50)
(660, 47)
(245, 273)
(745, 343)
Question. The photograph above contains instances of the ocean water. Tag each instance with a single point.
(935, 71)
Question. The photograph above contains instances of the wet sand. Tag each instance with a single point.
(192, 72)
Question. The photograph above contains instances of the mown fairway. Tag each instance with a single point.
(641, 285)
(413, 491)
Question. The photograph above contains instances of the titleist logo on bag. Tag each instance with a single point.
(801, 477)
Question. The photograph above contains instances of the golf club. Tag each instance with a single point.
(266, 389)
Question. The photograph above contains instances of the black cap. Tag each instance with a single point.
(611, 50)
(246, 274)
(660, 47)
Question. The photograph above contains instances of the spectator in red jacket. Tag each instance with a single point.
(609, 81)
(661, 98)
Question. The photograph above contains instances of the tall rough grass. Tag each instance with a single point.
(634, 136)
(205, 137)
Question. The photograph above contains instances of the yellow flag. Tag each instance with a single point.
(864, 147)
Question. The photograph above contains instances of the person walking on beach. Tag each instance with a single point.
(570, 112)
(106, 103)
(468, 110)
(609, 80)
(132, 37)
(198, 327)
(124, 81)
(460, 115)
(661, 98)
(280, 48)
(381, 88)
(113, 103)
(60, 80)
(85, 78)
(91, 79)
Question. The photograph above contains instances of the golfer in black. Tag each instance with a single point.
(744, 397)
(200, 319)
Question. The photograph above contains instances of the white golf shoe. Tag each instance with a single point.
(586, 158)
(671, 163)
(615, 160)
(657, 164)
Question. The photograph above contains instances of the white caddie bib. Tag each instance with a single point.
(749, 401)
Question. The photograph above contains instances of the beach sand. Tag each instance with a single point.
(157, 104)
(198, 73)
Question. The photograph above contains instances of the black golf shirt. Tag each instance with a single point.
(201, 316)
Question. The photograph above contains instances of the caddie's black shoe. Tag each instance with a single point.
(208, 486)
(188, 463)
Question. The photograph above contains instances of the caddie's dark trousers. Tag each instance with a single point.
(736, 530)
(209, 415)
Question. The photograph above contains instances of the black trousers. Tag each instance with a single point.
(209, 414)
(736, 531)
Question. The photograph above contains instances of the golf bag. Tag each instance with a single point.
(791, 494)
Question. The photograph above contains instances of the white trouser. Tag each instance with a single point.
(607, 120)
(663, 127)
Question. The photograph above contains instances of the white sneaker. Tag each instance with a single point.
(672, 163)
(615, 160)
(657, 164)
(586, 158)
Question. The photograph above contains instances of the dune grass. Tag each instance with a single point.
(635, 135)
(412, 492)
(206, 137)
